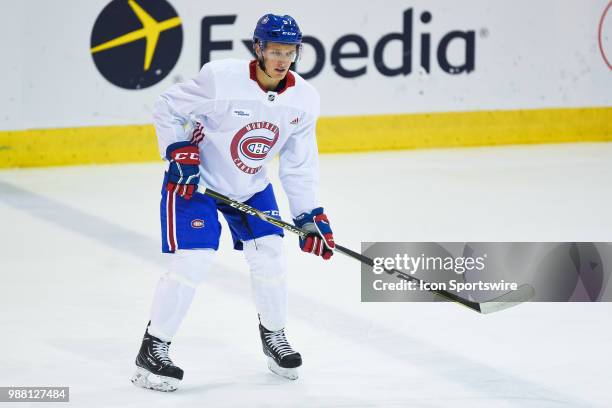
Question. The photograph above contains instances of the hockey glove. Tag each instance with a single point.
(320, 238)
(184, 169)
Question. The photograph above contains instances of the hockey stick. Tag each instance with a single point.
(505, 301)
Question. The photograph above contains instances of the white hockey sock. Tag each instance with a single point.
(175, 290)
(266, 260)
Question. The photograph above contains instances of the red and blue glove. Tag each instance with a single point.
(320, 238)
(184, 169)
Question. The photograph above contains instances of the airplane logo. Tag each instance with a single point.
(150, 31)
(114, 53)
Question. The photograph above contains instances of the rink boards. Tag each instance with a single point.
(418, 75)
(137, 143)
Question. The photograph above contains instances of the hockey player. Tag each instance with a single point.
(219, 130)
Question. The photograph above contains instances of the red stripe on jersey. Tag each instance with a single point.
(198, 134)
(170, 197)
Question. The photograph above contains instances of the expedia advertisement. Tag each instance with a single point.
(112, 58)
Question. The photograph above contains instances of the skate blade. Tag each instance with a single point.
(146, 379)
(289, 373)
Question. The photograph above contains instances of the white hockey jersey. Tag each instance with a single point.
(240, 127)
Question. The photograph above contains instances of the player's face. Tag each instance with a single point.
(278, 59)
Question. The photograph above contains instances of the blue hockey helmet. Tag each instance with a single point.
(278, 29)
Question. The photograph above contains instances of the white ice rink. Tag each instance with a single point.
(79, 258)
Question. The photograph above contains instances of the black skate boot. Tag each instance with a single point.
(282, 359)
(154, 369)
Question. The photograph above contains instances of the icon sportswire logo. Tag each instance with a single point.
(136, 43)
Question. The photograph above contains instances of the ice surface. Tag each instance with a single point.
(79, 258)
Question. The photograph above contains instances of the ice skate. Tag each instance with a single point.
(154, 369)
(282, 359)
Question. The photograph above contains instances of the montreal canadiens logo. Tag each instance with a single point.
(197, 224)
(256, 147)
(251, 145)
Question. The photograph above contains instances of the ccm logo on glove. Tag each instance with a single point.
(184, 169)
(187, 156)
